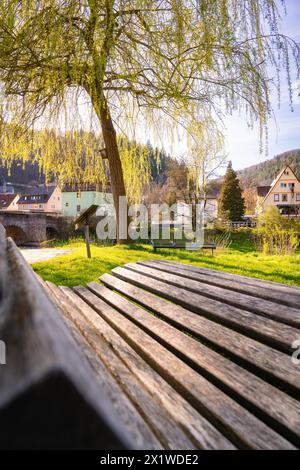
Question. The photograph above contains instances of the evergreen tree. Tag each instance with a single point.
(231, 202)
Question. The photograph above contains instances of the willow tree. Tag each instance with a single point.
(133, 55)
(205, 156)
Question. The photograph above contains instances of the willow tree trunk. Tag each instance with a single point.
(116, 172)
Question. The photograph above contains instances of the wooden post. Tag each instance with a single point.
(87, 237)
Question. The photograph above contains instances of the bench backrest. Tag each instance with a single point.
(46, 370)
(177, 244)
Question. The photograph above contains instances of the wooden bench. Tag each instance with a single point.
(164, 355)
(179, 244)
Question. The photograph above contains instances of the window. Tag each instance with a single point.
(276, 197)
(298, 197)
(78, 208)
(291, 185)
(284, 197)
(40, 206)
(67, 204)
(283, 185)
(78, 194)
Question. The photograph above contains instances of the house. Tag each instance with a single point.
(41, 199)
(78, 197)
(209, 206)
(283, 193)
(8, 202)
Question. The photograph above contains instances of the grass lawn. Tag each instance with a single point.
(241, 258)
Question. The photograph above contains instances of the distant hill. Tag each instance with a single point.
(264, 173)
(256, 175)
(26, 174)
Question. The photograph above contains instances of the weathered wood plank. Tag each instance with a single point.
(6, 280)
(253, 304)
(151, 421)
(198, 428)
(287, 314)
(224, 412)
(128, 414)
(275, 334)
(49, 395)
(258, 357)
(265, 400)
(285, 289)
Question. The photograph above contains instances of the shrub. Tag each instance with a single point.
(223, 240)
(276, 234)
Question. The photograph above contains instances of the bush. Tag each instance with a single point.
(223, 240)
(276, 234)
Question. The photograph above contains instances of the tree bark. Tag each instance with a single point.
(115, 169)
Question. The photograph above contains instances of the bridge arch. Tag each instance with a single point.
(52, 233)
(16, 233)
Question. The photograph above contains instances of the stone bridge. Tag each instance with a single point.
(35, 227)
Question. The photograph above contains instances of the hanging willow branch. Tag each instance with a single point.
(131, 59)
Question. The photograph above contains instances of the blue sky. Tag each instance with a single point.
(284, 131)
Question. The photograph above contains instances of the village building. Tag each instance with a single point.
(283, 193)
(77, 198)
(41, 199)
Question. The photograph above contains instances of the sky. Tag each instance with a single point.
(242, 143)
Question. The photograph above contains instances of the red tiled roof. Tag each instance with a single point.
(6, 200)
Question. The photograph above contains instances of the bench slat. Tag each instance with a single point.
(94, 348)
(197, 427)
(285, 289)
(170, 434)
(249, 302)
(265, 361)
(275, 334)
(290, 315)
(236, 422)
(268, 402)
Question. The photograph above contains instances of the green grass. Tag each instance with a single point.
(241, 258)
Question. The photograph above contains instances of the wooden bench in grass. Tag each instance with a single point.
(179, 244)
